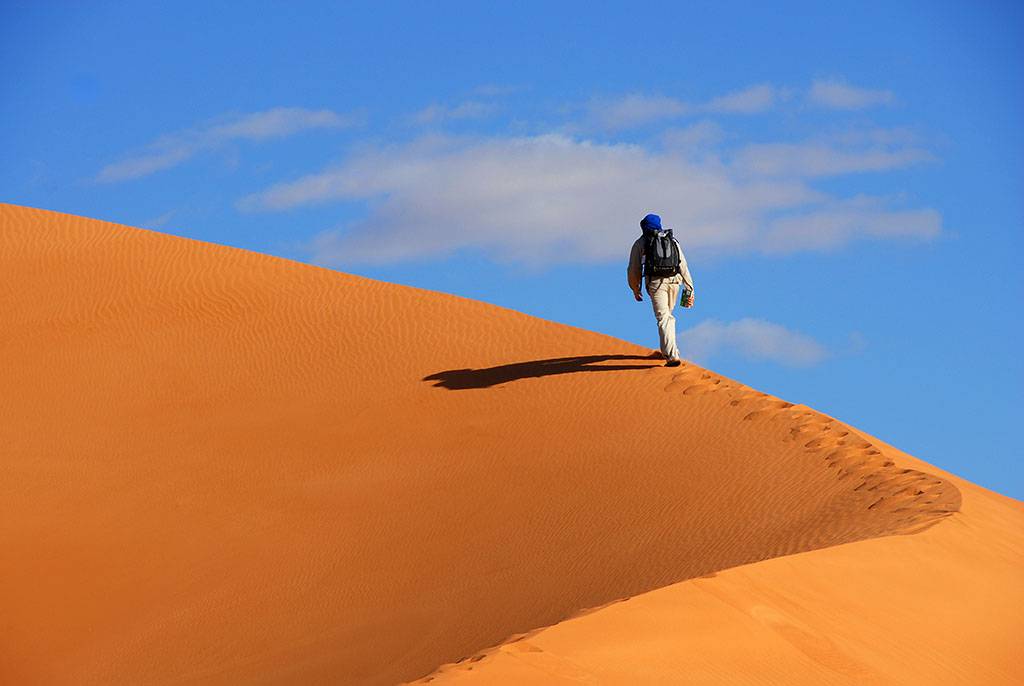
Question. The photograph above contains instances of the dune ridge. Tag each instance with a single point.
(225, 466)
(940, 606)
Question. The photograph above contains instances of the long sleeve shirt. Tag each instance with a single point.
(634, 271)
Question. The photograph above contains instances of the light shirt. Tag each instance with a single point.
(635, 269)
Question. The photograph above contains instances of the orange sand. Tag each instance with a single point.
(224, 467)
(940, 607)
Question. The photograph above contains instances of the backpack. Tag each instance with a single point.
(661, 254)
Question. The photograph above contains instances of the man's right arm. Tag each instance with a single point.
(633, 270)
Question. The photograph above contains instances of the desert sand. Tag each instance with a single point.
(220, 466)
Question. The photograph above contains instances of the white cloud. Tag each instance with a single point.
(754, 339)
(537, 199)
(160, 156)
(838, 95)
(276, 123)
(838, 223)
(435, 114)
(158, 222)
(636, 109)
(747, 101)
(173, 149)
(818, 158)
(697, 136)
(876, 136)
(494, 90)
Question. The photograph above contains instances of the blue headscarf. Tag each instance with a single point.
(651, 222)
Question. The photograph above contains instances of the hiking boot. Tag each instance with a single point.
(673, 363)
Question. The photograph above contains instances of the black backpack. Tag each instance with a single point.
(661, 254)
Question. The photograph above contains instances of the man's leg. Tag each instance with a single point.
(663, 294)
(672, 296)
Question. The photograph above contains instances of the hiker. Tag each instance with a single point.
(664, 268)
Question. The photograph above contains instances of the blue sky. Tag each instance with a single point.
(846, 181)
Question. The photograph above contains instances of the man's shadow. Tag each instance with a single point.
(462, 379)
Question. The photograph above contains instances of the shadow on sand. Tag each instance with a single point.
(462, 379)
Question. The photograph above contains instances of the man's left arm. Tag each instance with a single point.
(684, 270)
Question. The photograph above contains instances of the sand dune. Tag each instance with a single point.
(224, 467)
(943, 606)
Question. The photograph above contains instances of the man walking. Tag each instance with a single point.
(658, 259)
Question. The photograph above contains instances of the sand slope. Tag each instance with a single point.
(220, 466)
(945, 606)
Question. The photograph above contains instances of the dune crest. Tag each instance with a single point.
(229, 467)
(941, 606)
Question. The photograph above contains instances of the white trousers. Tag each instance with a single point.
(664, 296)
